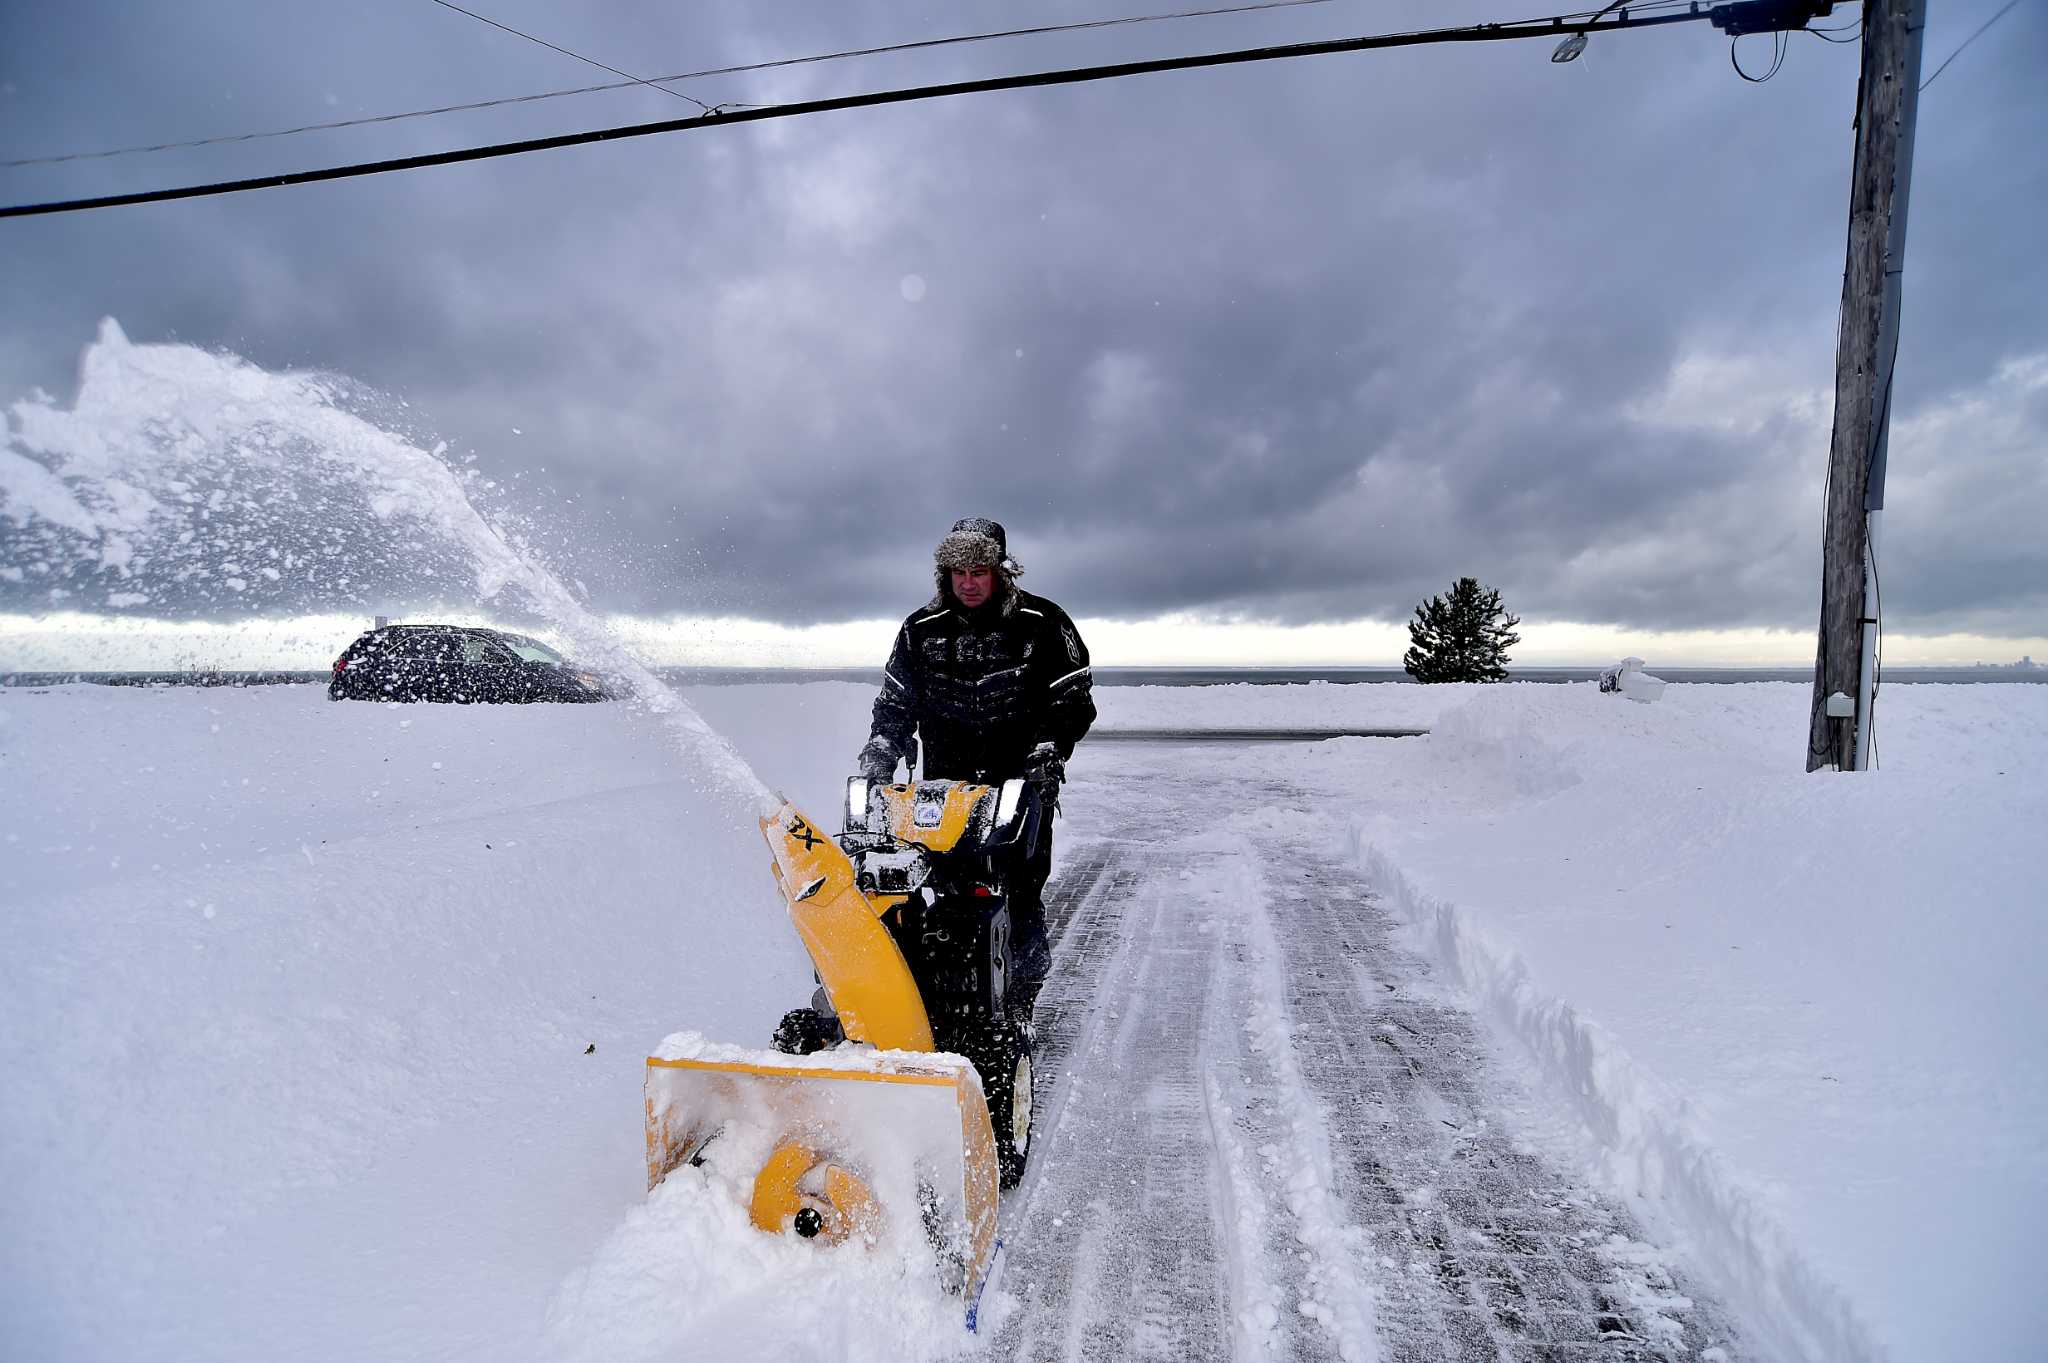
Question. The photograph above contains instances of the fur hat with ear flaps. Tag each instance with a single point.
(973, 542)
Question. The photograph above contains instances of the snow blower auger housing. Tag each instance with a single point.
(901, 1100)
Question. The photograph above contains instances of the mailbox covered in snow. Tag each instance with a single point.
(1628, 678)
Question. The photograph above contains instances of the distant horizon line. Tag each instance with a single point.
(2023, 666)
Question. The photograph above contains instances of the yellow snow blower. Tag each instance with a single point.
(900, 1101)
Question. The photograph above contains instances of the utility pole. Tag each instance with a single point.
(1887, 100)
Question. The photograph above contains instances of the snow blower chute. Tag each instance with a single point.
(900, 1102)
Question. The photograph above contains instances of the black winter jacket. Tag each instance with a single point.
(985, 686)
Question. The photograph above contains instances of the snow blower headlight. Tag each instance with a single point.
(1009, 812)
(856, 804)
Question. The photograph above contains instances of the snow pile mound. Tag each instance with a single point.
(1795, 1016)
(1491, 746)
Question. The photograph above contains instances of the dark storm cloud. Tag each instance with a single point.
(1298, 341)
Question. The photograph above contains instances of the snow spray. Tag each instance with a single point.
(182, 478)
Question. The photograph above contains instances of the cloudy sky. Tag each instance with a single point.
(1248, 360)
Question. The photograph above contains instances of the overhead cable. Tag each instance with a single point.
(1481, 33)
(1967, 41)
(587, 61)
(659, 82)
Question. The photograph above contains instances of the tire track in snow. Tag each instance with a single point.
(1486, 1250)
(1103, 1246)
(1072, 890)
(1218, 1169)
(1242, 1221)
(1330, 1287)
(1085, 903)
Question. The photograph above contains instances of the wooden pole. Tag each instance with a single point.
(1865, 350)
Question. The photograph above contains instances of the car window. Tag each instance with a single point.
(401, 645)
(531, 650)
(431, 646)
(444, 646)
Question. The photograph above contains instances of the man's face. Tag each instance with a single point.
(973, 586)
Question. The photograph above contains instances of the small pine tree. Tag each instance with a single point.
(1461, 637)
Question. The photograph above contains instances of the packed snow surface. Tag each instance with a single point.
(298, 1003)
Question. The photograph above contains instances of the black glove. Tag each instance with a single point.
(877, 761)
(1044, 770)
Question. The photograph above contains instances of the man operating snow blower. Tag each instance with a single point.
(895, 1108)
(996, 682)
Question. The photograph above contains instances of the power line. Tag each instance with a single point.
(587, 61)
(1480, 33)
(1967, 41)
(660, 82)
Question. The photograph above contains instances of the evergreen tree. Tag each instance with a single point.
(1461, 637)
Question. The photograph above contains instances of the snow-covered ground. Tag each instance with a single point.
(1801, 1015)
(297, 1001)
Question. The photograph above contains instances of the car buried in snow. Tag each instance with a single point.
(460, 665)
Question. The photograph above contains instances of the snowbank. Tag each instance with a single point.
(1798, 1016)
(298, 1002)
